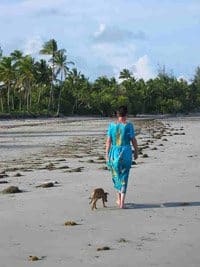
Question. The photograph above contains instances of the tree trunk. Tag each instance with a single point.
(51, 97)
(59, 97)
(39, 97)
(13, 103)
(20, 102)
(30, 95)
(2, 108)
(8, 98)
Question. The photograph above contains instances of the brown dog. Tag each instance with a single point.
(97, 194)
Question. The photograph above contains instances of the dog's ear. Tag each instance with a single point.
(106, 193)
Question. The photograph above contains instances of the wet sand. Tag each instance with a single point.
(160, 225)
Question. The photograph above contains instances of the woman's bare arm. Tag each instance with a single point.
(108, 144)
(134, 143)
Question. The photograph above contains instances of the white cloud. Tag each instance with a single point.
(101, 29)
(142, 68)
(112, 34)
(33, 45)
(184, 78)
(120, 57)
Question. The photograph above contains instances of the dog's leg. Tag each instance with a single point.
(103, 203)
(95, 203)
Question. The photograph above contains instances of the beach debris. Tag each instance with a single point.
(145, 156)
(77, 156)
(13, 169)
(122, 240)
(159, 136)
(18, 174)
(63, 167)
(101, 157)
(3, 175)
(145, 146)
(33, 258)
(50, 166)
(70, 223)
(103, 168)
(45, 185)
(103, 248)
(11, 190)
(78, 169)
(154, 148)
(3, 182)
(90, 161)
(165, 139)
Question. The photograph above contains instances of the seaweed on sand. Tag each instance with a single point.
(50, 166)
(103, 248)
(70, 223)
(33, 258)
(18, 174)
(11, 190)
(45, 185)
(78, 169)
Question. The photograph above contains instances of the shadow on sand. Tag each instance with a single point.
(161, 205)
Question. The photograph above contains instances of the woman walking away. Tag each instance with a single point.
(120, 136)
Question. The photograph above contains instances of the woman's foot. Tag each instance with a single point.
(122, 206)
(122, 201)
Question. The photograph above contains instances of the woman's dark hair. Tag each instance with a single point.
(122, 111)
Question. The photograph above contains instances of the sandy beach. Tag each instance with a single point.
(160, 225)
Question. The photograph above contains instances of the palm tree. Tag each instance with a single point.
(2, 87)
(61, 65)
(50, 48)
(1, 52)
(26, 71)
(125, 74)
(42, 76)
(17, 55)
(7, 75)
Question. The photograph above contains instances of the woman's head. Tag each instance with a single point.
(122, 111)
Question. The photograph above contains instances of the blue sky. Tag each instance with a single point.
(103, 37)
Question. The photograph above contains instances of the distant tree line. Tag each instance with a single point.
(55, 87)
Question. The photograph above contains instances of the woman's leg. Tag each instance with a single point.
(118, 199)
(122, 200)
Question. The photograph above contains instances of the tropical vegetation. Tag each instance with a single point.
(53, 86)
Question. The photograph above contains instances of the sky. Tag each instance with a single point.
(103, 37)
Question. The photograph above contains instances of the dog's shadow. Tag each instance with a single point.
(161, 205)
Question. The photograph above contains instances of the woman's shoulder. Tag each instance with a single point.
(112, 123)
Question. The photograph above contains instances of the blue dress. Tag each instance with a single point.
(120, 153)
